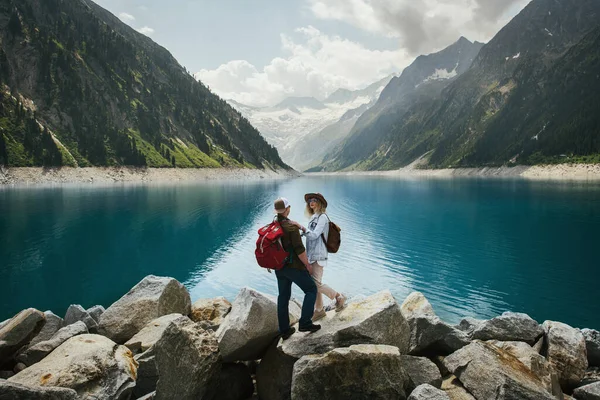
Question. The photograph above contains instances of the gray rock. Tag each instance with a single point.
(19, 331)
(19, 367)
(6, 374)
(184, 346)
(428, 392)
(469, 324)
(358, 372)
(151, 298)
(535, 362)
(37, 352)
(428, 333)
(96, 312)
(274, 374)
(489, 372)
(211, 310)
(4, 323)
(420, 371)
(251, 326)
(15, 391)
(592, 344)
(375, 320)
(233, 382)
(588, 392)
(455, 390)
(77, 313)
(147, 374)
(509, 327)
(591, 375)
(92, 365)
(52, 325)
(439, 362)
(566, 352)
(150, 334)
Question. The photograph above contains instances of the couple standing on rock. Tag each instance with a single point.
(306, 267)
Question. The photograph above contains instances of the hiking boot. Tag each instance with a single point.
(288, 333)
(318, 315)
(340, 302)
(310, 328)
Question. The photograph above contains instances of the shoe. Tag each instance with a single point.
(340, 302)
(318, 315)
(288, 333)
(310, 328)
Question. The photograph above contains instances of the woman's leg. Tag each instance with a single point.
(317, 275)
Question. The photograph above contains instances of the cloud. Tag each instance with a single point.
(314, 64)
(424, 26)
(146, 31)
(126, 17)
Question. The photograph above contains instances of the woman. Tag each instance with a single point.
(316, 207)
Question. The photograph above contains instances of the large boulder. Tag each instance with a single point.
(535, 362)
(508, 327)
(187, 359)
(15, 391)
(150, 334)
(36, 353)
(92, 365)
(358, 372)
(428, 333)
(153, 297)
(455, 390)
(233, 382)
(421, 370)
(251, 326)
(19, 331)
(592, 344)
(489, 372)
(274, 374)
(428, 392)
(375, 320)
(469, 324)
(76, 313)
(588, 392)
(213, 311)
(565, 350)
(52, 325)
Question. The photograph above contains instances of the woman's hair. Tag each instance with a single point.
(308, 212)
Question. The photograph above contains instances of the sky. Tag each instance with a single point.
(258, 52)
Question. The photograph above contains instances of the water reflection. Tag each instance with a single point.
(473, 247)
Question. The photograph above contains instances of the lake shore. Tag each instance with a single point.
(560, 172)
(111, 175)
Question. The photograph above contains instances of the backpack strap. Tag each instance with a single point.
(322, 234)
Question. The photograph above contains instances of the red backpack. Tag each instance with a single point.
(269, 248)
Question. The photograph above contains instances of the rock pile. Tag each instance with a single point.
(154, 344)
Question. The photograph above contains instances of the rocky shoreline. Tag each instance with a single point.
(557, 172)
(153, 343)
(111, 175)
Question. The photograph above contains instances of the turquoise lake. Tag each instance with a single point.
(474, 247)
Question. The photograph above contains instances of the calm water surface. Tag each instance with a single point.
(473, 247)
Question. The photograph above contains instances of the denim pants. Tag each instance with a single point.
(285, 277)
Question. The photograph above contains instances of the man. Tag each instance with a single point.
(296, 271)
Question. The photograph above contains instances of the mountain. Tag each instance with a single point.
(78, 87)
(292, 125)
(424, 79)
(529, 97)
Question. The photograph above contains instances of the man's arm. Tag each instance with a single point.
(299, 248)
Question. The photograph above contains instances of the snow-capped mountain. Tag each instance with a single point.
(297, 119)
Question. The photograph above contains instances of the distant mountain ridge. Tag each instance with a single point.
(295, 122)
(79, 87)
(508, 108)
(422, 80)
